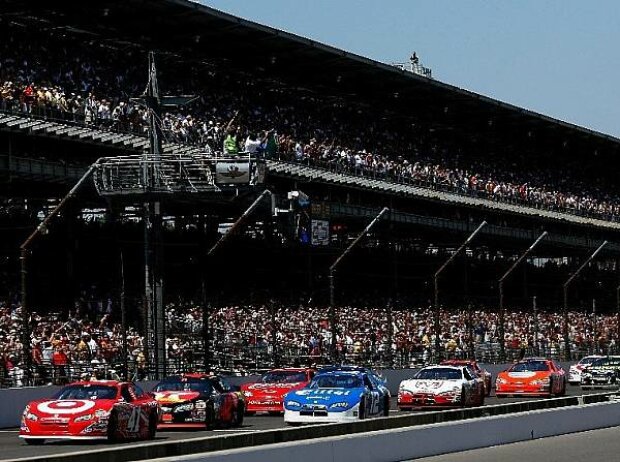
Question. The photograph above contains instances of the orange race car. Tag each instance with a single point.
(531, 377)
(473, 364)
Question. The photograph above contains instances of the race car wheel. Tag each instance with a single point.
(113, 427)
(152, 426)
(386, 407)
(362, 411)
(562, 391)
(238, 416)
(210, 418)
(463, 397)
(34, 442)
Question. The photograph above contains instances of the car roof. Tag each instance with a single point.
(110, 383)
(290, 369)
(346, 367)
(444, 366)
(342, 372)
(460, 362)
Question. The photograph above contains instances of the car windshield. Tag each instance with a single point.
(439, 373)
(530, 366)
(86, 392)
(337, 381)
(284, 377)
(185, 384)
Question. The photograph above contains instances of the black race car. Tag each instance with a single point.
(198, 401)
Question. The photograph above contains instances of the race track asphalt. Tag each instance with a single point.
(13, 447)
(593, 446)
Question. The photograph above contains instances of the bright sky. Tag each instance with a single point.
(557, 57)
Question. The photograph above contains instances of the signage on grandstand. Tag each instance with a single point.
(232, 171)
(320, 232)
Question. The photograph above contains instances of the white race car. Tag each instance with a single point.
(442, 386)
(574, 373)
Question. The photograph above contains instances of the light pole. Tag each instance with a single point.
(332, 271)
(436, 285)
(618, 318)
(565, 290)
(594, 332)
(502, 341)
(535, 310)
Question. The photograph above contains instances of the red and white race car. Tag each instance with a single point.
(473, 364)
(267, 395)
(441, 386)
(91, 410)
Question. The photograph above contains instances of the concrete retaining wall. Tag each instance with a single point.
(410, 443)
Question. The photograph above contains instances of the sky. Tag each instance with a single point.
(557, 57)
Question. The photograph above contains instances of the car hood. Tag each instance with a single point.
(325, 395)
(69, 407)
(429, 386)
(175, 397)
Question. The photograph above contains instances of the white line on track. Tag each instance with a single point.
(9, 431)
(238, 430)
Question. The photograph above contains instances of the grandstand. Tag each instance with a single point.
(347, 135)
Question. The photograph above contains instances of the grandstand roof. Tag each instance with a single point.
(199, 32)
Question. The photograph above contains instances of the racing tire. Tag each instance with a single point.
(33, 441)
(152, 426)
(362, 408)
(562, 392)
(238, 416)
(113, 428)
(386, 407)
(210, 418)
(463, 402)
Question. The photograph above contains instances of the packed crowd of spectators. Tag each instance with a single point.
(54, 75)
(74, 344)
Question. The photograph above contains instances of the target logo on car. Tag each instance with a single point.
(66, 406)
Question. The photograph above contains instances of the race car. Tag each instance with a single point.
(267, 394)
(94, 410)
(531, 377)
(442, 386)
(473, 364)
(198, 401)
(602, 373)
(336, 396)
(374, 375)
(574, 372)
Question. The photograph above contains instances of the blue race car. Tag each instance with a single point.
(374, 376)
(337, 396)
